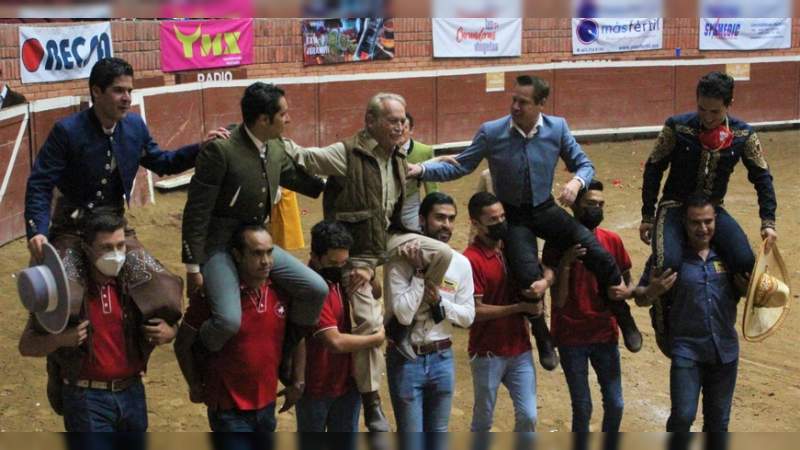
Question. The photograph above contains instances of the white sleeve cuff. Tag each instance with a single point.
(192, 268)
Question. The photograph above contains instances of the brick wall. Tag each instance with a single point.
(279, 51)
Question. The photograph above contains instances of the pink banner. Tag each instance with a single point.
(204, 44)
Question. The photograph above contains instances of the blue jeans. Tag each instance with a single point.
(687, 379)
(422, 393)
(101, 410)
(518, 375)
(729, 241)
(221, 281)
(338, 415)
(605, 361)
(234, 429)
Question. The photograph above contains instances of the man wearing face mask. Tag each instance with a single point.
(499, 340)
(331, 401)
(104, 351)
(584, 324)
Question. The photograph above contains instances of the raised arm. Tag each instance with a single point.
(403, 289)
(329, 161)
(468, 161)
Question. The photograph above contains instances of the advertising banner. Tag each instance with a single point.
(62, 53)
(611, 35)
(333, 41)
(477, 38)
(745, 34)
(203, 44)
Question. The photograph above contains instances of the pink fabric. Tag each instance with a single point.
(204, 44)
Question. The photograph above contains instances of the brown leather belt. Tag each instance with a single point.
(434, 346)
(113, 385)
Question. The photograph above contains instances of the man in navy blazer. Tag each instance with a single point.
(522, 150)
(92, 157)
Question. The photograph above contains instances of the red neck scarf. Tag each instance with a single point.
(717, 138)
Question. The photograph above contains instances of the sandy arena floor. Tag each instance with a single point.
(768, 388)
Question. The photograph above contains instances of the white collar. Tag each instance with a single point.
(109, 131)
(533, 132)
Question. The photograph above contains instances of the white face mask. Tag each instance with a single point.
(110, 263)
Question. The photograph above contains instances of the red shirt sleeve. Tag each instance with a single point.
(327, 317)
(197, 312)
(621, 255)
(478, 279)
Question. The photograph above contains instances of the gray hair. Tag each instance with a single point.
(375, 105)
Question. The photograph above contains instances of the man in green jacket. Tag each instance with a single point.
(365, 192)
(235, 183)
(416, 153)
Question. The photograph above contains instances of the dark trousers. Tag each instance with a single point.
(687, 379)
(729, 241)
(553, 224)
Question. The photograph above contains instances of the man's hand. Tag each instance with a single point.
(620, 292)
(767, 234)
(194, 284)
(534, 309)
(74, 336)
(35, 245)
(414, 171)
(536, 290)
(293, 394)
(573, 253)
(158, 332)
(197, 393)
(646, 232)
(431, 294)
(219, 133)
(570, 192)
(412, 252)
(660, 283)
(359, 277)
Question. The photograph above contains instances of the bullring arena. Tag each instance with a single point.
(614, 106)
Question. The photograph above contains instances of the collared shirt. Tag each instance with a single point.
(532, 133)
(3, 94)
(332, 161)
(507, 336)
(456, 292)
(702, 317)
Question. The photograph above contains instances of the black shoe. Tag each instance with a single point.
(374, 419)
(631, 335)
(548, 357)
(398, 335)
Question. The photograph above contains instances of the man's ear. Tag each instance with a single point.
(237, 255)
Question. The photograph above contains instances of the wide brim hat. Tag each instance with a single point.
(44, 291)
(768, 296)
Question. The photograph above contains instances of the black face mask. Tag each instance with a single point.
(331, 274)
(498, 231)
(591, 217)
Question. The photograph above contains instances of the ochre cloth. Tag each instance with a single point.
(285, 225)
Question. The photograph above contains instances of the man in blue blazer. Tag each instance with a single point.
(92, 157)
(523, 150)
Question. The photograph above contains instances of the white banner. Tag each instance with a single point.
(745, 34)
(604, 35)
(62, 53)
(477, 38)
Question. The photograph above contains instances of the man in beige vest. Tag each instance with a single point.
(365, 191)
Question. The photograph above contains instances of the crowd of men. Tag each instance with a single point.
(258, 316)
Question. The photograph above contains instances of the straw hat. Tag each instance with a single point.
(44, 291)
(768, 296)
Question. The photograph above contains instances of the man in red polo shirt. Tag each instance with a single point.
(239, 383)
(102, 356)
(499, 339)
(331, 401)
(583, 324)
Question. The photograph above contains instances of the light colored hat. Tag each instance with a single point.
(768, 296)
(44, 291)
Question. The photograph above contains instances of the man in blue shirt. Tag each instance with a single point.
(522, 150)
(701, 312)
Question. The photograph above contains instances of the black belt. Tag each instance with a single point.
(435, 346)
(113, 385)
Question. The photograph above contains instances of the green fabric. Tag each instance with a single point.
(420, 153)
(356, 199)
